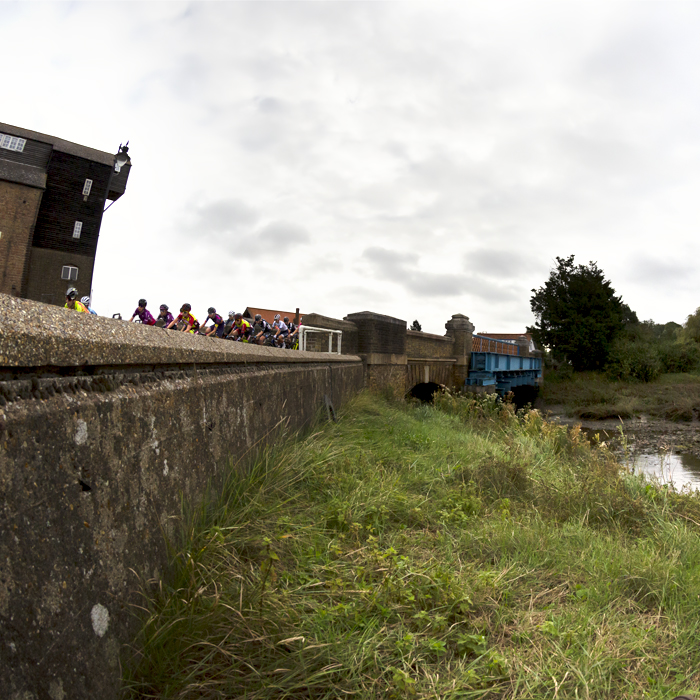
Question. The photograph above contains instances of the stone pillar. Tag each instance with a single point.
(381, 343)
(523, 346)
(460, 329)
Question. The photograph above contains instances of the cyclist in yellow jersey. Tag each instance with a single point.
(185, 322)
(72, 301)
(241, 329)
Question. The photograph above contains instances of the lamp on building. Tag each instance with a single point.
(122, 157)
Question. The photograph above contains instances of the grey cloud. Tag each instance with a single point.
(230, 224)
(437, 284)
(269, 105)
(493, 262)
(655, 271)
(279, 237)
(389, 258)
(222, 217)
(401, 267)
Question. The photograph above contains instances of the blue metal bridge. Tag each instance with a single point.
(498, 363)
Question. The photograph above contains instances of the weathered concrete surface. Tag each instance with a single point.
(92, 468)
(38, 335)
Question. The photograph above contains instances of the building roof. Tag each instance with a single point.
(269, 314)
(61, 145)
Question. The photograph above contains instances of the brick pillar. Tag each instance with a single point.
(381, 343)
(460, 329)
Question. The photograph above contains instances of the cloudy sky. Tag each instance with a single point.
(417, 159)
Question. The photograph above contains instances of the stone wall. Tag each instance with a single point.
(104, 426)
(424, 345)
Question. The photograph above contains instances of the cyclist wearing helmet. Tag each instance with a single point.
(217, 321)
(185, 322)
(228, 326)
(260, 328)
(293, 337)
(85, 301)
(144, 314)
(72, 301)
(165, 318)
(280, 328)
(241, 329)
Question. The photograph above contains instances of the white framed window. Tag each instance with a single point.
(77, 228)
(87, 187)
(12, 143)
(68, 272)
(117, 168)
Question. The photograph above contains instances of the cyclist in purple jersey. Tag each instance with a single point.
(217, 321)
(144, 314)
(165, 318)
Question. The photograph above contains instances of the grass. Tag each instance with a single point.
(593, 395)
(454, 551)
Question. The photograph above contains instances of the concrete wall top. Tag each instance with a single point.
(33, 334)
(371, 316)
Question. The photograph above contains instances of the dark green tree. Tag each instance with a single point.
(415, 326)
(578, 315)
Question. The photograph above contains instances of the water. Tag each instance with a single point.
(668, 467)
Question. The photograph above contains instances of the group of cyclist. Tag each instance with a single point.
(280, 333)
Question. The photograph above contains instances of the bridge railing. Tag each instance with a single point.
(481, 343)
(305, 331)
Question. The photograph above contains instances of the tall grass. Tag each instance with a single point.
(454, 551)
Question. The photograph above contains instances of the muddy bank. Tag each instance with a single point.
(645, 435)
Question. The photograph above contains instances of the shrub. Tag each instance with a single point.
(679, 357)
(634, 359)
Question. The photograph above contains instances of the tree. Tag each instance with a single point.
(578, 315)
(691, 329)
(415, 326)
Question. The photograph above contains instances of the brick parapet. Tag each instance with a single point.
(378, 333)
(422, 345)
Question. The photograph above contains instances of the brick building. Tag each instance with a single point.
(52, 197)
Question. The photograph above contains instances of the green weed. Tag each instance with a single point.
(463, 550)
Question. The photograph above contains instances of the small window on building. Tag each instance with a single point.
(117, 168)
(87, 187)
(77, 228)
(69, 272)
(12, 143)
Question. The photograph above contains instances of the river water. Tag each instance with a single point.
(669, 468)
(666, 451)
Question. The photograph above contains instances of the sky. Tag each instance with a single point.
(415, 159)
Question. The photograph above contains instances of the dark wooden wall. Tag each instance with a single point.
(35, 153)
(63, 204)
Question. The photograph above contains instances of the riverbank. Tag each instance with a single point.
(454, 551)
(658, 416)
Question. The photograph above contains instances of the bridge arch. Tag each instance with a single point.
(424, 391)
